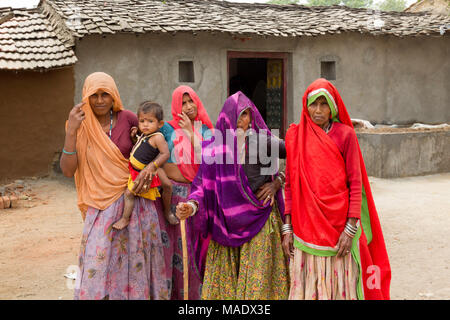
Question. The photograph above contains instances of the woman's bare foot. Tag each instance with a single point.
(122, 223)
(171, 218)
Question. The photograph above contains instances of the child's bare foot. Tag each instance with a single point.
(122, 223)
(171, 218)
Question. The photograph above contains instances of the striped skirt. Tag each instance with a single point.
(322, 278)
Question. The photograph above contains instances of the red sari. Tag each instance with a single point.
(320, 199)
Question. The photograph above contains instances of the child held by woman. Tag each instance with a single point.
(150, 149)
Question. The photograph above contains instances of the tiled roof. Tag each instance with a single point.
(169, 16)
(28, 41)
(435, 6)
(42, 38)
(5, 14)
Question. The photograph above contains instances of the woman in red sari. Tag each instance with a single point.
(332, 231)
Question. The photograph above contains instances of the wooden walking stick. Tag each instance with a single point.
(185, 260)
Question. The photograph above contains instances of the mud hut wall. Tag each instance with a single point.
(382, 79)
(145, 67)
(33, 110)
(394, 155)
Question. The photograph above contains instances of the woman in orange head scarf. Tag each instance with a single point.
(337, 248)
(113, 264)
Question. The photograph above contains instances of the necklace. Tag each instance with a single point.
(110, 123)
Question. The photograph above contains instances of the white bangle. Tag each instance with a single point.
(351, 229)
(286, 228)
(194, 207)
(349, 232)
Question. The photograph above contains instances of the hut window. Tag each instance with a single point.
(328, 70)
(186, 71)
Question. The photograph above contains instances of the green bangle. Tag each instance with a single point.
(66, 152)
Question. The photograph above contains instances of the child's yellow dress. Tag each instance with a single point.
(141, 155)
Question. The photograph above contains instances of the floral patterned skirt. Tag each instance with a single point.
(322, 278)
(257, 270)
(121, 264)
(173, 250)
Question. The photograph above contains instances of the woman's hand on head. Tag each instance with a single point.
(267, 193)
(76, 116)
(183, 210)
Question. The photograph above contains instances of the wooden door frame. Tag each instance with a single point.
(264, 55)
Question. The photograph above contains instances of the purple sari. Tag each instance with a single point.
(229, 212)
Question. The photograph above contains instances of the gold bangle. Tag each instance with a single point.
(156, 166)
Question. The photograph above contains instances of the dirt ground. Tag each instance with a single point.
(40, 238)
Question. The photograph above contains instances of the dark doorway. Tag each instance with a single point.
(260, 76)
(250, 77)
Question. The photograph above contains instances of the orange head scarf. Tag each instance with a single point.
(102, 173)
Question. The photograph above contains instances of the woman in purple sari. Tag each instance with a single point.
(237, 209)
